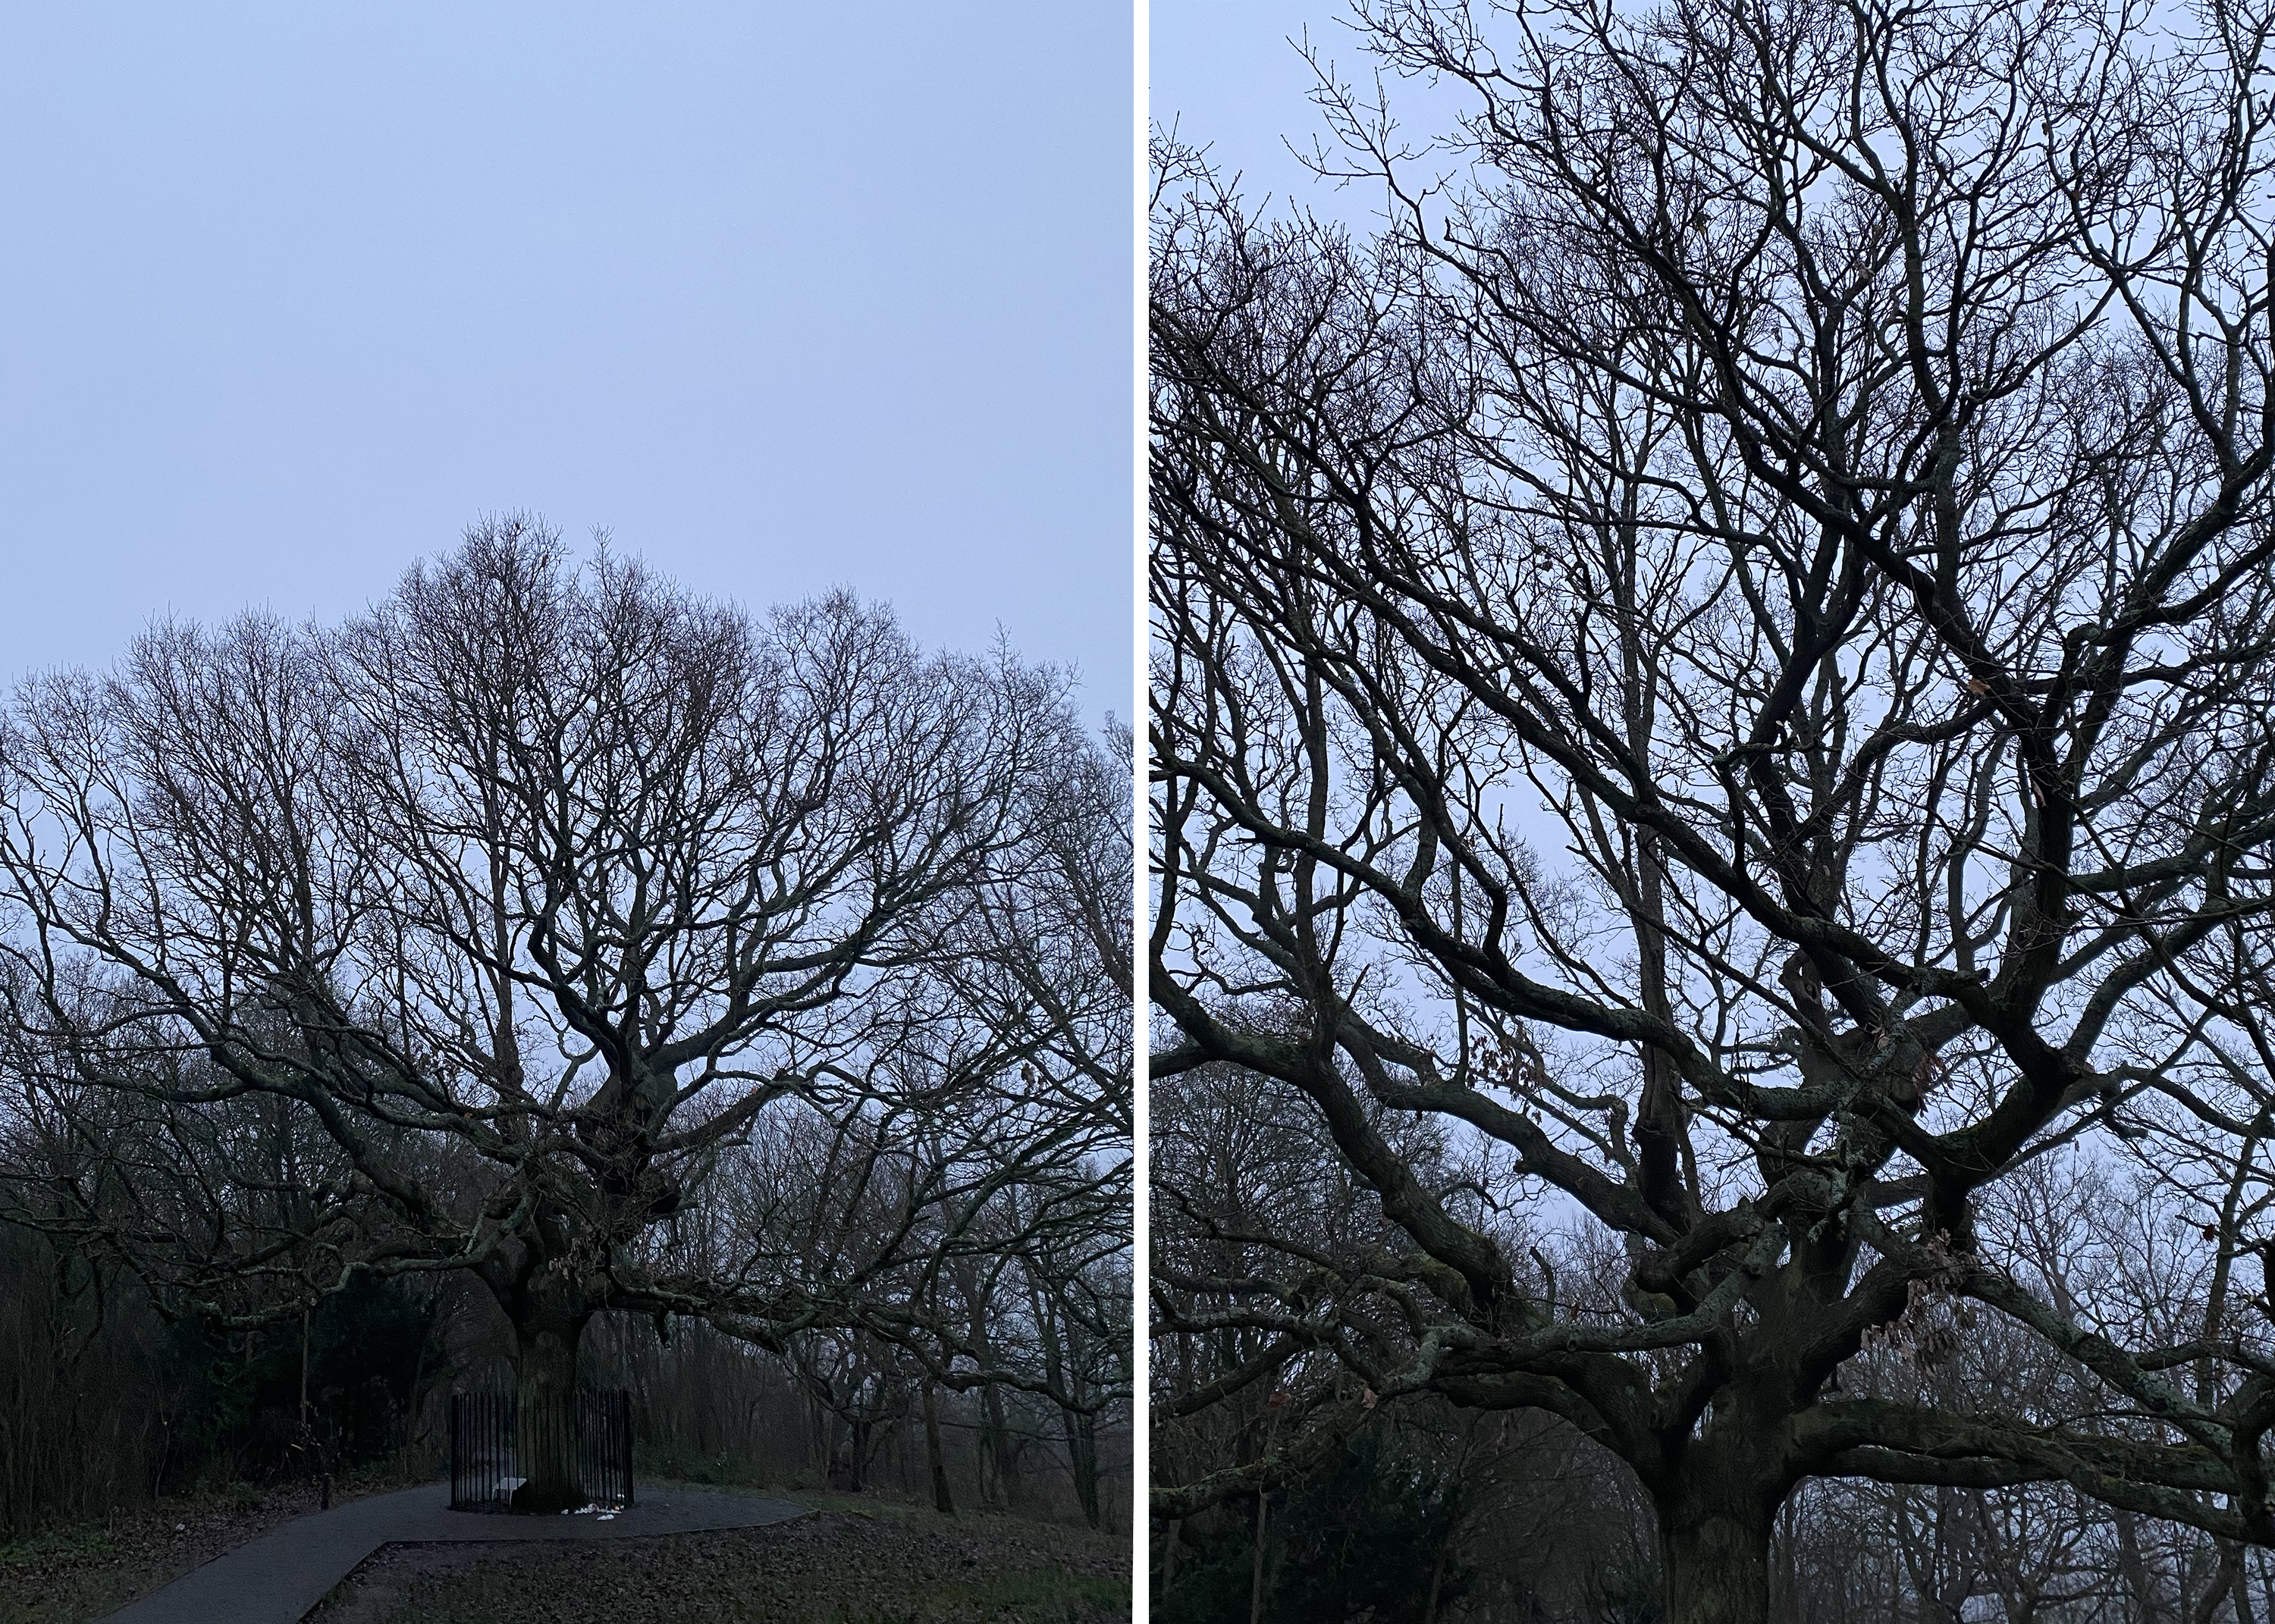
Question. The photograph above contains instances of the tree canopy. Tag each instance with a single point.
(1711, 715)
(547, 922)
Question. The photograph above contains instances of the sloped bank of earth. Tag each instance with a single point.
(839, 1565)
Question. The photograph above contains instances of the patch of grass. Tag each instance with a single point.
(919, 1514)
(69, 1542)
(698, 1470)
(70, 1598)
(1034, 1596)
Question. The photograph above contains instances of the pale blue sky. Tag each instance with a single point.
(784, 297)
(1229, 76)
(1225, 74)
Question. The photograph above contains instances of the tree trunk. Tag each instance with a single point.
(2147, 1595)
(1717, 1563)
(997, 1450)
(545, 1413)
(1256, 1566)
(940, 1500)
(995, 1464)
(1082, 1456)
(2223, 1581)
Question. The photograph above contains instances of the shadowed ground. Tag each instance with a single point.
(278, 1577)
(857, 1560)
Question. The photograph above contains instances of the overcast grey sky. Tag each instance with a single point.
(785, 296)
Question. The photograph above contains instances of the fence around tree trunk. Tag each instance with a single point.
(484, 1426)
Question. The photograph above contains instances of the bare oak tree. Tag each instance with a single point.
(535, 899)
(1723, 656)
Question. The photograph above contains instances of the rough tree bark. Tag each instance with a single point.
(549, 1324)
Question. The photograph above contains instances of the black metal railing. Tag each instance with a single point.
(604, 1445)
(485, 1425)
(482, 1477)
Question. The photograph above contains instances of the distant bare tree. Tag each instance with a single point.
(532, 898)
(1723, 660)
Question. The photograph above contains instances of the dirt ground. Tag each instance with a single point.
(847, 1564)
(76, 1575)
(855, 1561)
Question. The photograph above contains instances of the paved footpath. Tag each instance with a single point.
(276, 1578)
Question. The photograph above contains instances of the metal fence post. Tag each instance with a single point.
(599, 1424)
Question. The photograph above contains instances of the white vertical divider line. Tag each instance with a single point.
(1141, 1475)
